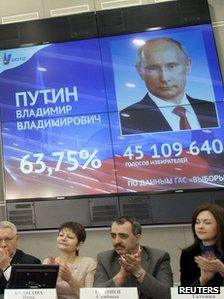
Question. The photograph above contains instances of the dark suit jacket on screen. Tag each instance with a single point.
(145, 116)
(190, 272)
(20, 257)
(157, 280)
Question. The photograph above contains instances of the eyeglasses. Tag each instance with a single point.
(7, 240)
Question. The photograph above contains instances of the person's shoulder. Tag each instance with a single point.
(191, 250)
(88, 260)
(199, 101)
(28, 258)
(155, 252)
(187, 255)
(131, 107)
(137, 105)
(33, 259)
(106, 255)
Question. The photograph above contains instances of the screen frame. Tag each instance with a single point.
(101, 26)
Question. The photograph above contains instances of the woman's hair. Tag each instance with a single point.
(77, 229)
(218, 213)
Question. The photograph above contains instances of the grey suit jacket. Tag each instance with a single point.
(156, 263)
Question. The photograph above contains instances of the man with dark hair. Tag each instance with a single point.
(133, 265)
(135, 225)
(163, 64)
(9, 252)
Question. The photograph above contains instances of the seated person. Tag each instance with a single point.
(202, 263)
(75, 271)
(131, 265)
(9, 252)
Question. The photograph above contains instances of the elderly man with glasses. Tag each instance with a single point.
(9, 252)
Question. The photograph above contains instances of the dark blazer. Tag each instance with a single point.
(20, 257)
(156, 263)
(145, 116)
(190, 272)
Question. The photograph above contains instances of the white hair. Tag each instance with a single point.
(8, 224)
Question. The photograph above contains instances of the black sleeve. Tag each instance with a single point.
(28, 259)
(3, 282)
(189, 272)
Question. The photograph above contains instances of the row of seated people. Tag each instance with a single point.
(129, 264)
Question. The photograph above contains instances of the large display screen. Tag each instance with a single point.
(96, 116)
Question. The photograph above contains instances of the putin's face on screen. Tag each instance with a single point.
(164, 69)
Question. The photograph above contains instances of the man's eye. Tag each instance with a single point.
(151, 68)
(172, 65)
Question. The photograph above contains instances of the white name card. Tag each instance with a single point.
(197, 293)
(30, 294)
(108, 293)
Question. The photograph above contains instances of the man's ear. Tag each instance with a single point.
(140, 61)
(139, 237)
(188, 65)
(17, 237)
(141, 72)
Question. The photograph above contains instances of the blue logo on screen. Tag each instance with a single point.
(7, 58)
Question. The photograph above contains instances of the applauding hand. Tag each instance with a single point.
(209, 266)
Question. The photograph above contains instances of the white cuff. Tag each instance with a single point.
(7, 273)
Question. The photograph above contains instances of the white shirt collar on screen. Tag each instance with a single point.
(166, 108)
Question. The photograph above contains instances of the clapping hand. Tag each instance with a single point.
(131, 262)
(4, 259)
(65, 272)
(213, 265)
(209, 265)
(52, 260)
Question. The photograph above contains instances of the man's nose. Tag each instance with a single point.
(3, 243)
(117, 240)
(164, 74)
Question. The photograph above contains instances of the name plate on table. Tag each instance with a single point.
(108, 293)
(198, 292)
(30, 294)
